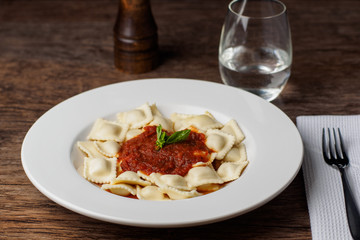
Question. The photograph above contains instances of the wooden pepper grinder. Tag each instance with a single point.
(135, 37)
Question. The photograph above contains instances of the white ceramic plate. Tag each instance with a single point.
(273, 144)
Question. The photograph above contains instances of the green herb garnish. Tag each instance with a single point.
(163, 139)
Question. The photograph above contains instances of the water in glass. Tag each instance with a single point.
(251, 68)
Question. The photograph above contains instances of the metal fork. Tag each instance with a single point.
(334, 155)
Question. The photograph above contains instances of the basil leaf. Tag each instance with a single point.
(178, 136)
(163, 139)
(158, 131)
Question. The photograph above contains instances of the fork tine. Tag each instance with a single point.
(337, 146)
(341, 144)
(331, 145)
(324, 148)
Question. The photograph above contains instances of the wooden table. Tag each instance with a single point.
(52, 50)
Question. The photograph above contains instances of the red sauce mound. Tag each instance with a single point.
(140, 154)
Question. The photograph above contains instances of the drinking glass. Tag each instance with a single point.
(255, 51)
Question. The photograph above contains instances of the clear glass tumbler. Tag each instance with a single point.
(255, 52)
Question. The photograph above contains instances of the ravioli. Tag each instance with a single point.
(232, 128)
(176, 194)
(201, 122)
(104, 130)
(220, 141)
(130, 177)
(220, 160)
(108, 148)
(151, 193)
(120, 189)
(229, 171)
(136, 118)
(236, 154)
(89, 149)
(170, 181)
(99, 170)
(199, 176)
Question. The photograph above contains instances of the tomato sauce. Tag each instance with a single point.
(140, 154)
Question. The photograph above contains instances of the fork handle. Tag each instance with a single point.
(352, 211)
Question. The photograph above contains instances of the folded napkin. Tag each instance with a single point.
(323, 185)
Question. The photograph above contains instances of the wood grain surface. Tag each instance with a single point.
(51, 50)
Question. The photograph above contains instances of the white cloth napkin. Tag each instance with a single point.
(323, 185)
